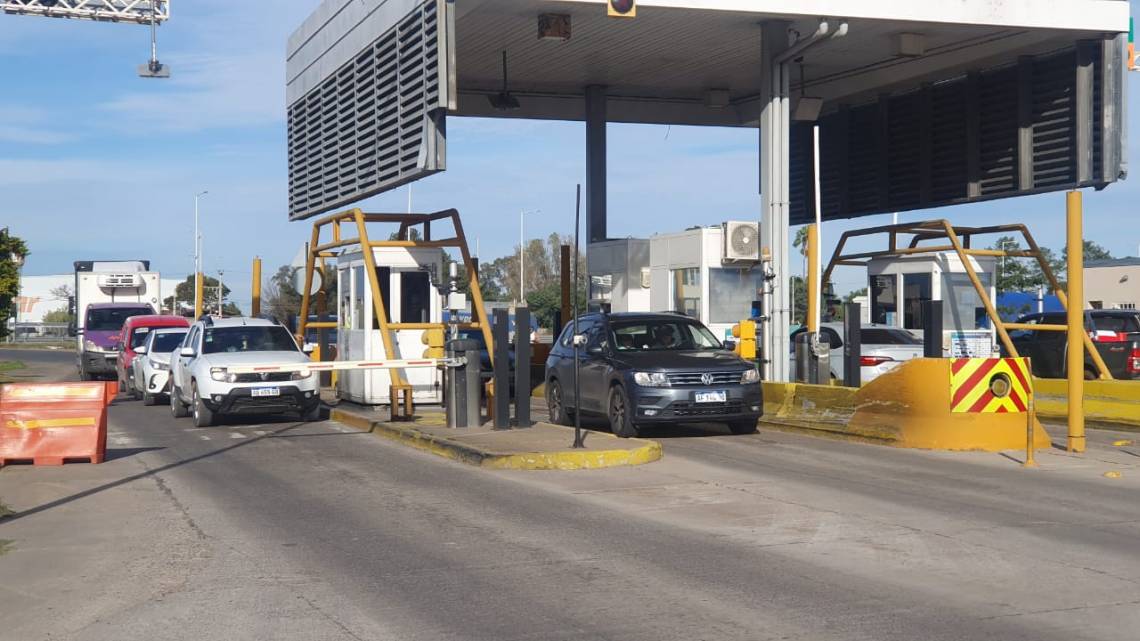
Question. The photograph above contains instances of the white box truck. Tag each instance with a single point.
(106, 294)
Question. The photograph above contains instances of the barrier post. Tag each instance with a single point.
(932, 329)
(255, 303)
(522, 367)
(852, 345)
(1075, 357)
(502, 370)
(198, 285)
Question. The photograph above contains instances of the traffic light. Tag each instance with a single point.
(622, 8)
(745, 334)
(433, 338)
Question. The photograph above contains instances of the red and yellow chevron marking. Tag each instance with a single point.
(970, 380)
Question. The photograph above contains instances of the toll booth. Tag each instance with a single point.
(619, 275)
(899, 286)
(408, 279)
(712, 273)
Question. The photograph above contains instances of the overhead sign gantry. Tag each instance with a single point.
(920, 104)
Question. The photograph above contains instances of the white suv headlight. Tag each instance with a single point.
(749, 376)
(300, 376)
(159, 365)
(220, 375)
(651, 379)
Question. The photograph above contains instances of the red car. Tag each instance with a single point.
(135, 330)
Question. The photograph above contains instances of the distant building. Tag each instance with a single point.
(1112, 283)
(36, 299)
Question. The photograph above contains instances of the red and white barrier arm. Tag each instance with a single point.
(326, 366)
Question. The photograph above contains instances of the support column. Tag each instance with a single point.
(774, 160)
(595, 164)
(1075, 356)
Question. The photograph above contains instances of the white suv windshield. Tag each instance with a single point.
(247, 339)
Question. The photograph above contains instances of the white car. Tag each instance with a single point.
(150, 370)
(882, 348)
(201, 385)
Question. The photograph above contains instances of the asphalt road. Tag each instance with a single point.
(285, 531)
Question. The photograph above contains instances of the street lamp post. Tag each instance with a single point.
(522, 255)
(198, 284)
(18, 261)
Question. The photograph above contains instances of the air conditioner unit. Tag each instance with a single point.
(646, 278)
(741, 242)
(119, 281)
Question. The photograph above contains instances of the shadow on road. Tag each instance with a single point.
(124, 452)
(149, 473)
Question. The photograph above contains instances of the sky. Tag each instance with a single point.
(96, 163)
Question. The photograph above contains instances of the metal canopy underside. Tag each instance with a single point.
(661, 66)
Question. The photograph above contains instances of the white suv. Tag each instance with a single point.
(150, 369)
(201, 385)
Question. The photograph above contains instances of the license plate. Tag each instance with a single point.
(711, 397)
(265, 391)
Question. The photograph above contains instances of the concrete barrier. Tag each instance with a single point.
(1106, 401)
(907, 407)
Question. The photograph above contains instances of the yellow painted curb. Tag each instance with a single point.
(559, 460)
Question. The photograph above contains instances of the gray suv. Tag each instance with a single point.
(639, 369)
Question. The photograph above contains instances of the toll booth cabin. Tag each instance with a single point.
(899, 286)
(409, 280)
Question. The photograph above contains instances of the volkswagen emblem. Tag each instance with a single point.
(707, 378)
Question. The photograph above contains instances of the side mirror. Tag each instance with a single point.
(308, 348)
(72, 330)
(595, 350)
(729, 346)
(186, 352)
(140, 350)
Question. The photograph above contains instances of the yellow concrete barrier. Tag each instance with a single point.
(1106, 401)
(907, 407)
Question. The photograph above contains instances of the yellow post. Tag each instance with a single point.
(198, 285)
(812, 279)
(255, 305)
(1076, 316)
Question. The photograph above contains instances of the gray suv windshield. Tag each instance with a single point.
(661, 335)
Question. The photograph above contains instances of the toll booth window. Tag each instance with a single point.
(916, 292)
(601, 288)
(884, 299)
(359, 285)
(960, 302)
(384, 276)
(687, 291)
(732, 292)
(415, 297)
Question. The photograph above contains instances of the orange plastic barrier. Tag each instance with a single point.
(52, 423)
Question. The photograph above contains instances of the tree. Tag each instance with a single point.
(61, 315)
(280, 298)
(63, 293)
(10, 248)
(1013, 274)
(184, 293)
(853, 294)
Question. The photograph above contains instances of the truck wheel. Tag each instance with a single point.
(177, 407)
(203, 417)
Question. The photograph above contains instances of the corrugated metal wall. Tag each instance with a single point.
(992, 134)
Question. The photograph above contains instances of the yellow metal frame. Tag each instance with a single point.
(359, 220)
(959, 241)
